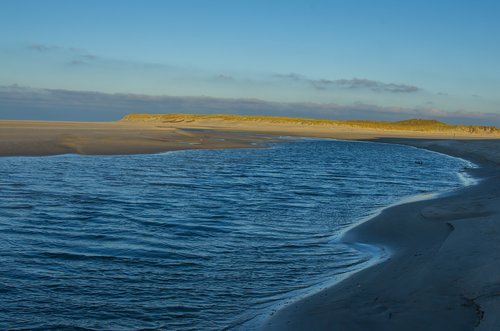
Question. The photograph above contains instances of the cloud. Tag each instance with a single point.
(77, 62)
(77, 56)
(354, 83)
(291, 76)
(42, 47)
(89, 56)
(224, 78)
(55, 104)
(376, 86)
(321, 84)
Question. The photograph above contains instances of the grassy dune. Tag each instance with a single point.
(422, 125)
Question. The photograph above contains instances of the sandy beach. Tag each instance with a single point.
(444, 264)
(34, 138)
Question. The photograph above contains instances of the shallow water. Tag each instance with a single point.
(190, 240)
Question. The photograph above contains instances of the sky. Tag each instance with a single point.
(383, 59)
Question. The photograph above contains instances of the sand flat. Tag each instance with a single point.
(444, 271)
(36, 138)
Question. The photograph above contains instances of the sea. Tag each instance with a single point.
(195, 239)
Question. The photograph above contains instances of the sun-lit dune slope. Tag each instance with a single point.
(423, 125)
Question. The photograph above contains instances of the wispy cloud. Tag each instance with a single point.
(321, 84)
(354, 83)
(89, 57)
(77, 62)
(224, 78)
(292, 76)
(55, 104)
(375, 85)
(42, 47)
(77, 56)
(83, 59)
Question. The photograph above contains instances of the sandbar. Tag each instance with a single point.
(37, 138)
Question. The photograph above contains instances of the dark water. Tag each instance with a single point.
(190, 240)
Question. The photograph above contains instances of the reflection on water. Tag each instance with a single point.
(191, 239)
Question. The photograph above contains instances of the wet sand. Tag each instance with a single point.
(443, 272)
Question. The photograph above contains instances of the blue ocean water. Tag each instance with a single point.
(190, 240)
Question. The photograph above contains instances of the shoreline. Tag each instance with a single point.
(421, 285)
(442, 273)
(380, 253)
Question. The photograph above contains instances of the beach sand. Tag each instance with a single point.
(35, 138)
(443, 271)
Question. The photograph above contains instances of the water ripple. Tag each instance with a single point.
(190, 240)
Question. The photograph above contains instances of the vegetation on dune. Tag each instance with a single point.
(425, 125)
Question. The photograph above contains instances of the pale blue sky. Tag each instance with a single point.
(434, 56)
